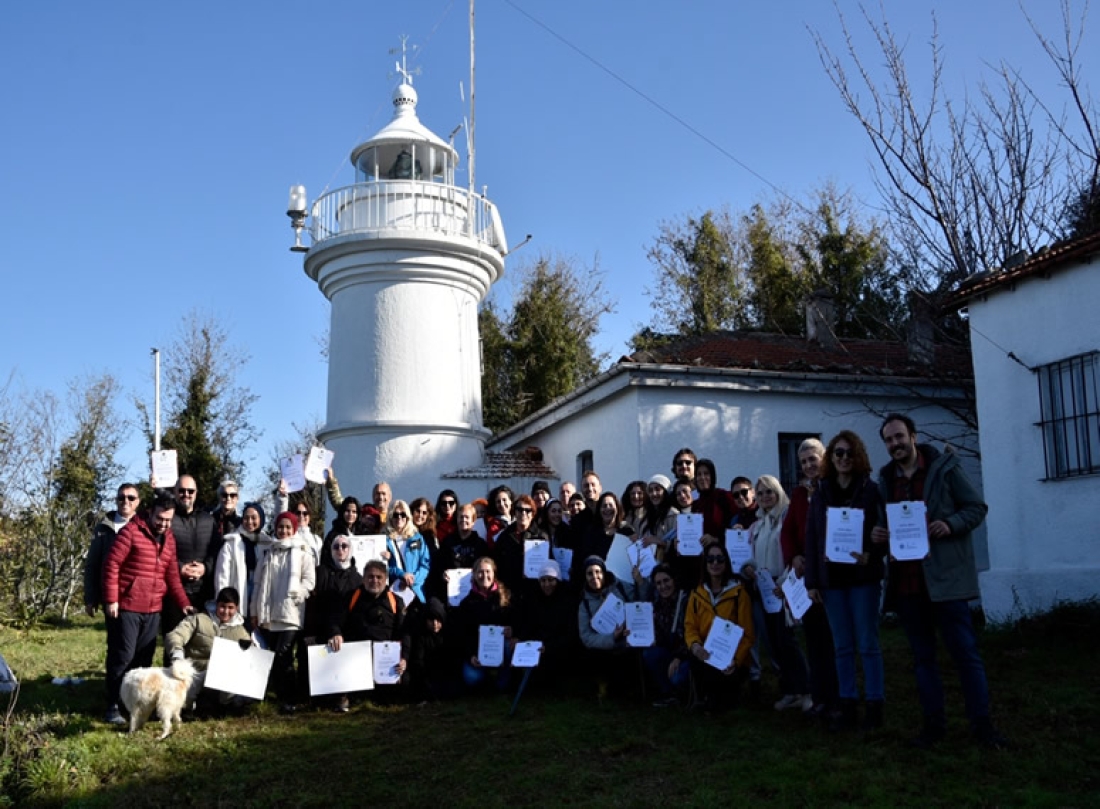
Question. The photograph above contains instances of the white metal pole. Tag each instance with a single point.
(156, 399)
(473, 126)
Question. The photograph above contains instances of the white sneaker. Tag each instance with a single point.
(806, 703)
(789, 701)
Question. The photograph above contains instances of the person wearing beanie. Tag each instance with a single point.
(284, 579)
(548, 615)
(599, 585)
(659, 528)
(433, 658)
(240, 552)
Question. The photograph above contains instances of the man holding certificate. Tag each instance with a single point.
(934, 592)
(844, 570)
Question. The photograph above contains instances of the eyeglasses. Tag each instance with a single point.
(742, 492)
(126, 498)
(524, 510)
(842, 452)
(230, 496)
(450, 503)
(302, 513)
(684, 462)
(711, 560)
(186, 491)
(340, 546)
(400, 515)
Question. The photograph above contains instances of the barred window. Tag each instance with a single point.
(1070, 409)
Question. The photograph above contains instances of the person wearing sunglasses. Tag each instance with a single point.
(197, 547)
(446, 514)
(126, 504)
(508, 552)
(225, 513)
(720, 594)
(849, 591)
(744, 499)
(406, 553)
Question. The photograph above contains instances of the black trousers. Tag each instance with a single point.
(131, 643)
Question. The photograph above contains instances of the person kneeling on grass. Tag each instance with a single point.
(193, 638)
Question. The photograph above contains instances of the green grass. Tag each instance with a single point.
(565, 748)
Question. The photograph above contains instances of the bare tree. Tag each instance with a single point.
(967, 184)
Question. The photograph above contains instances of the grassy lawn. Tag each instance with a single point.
(565, 748)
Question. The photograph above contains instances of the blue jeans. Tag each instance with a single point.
(853, 618)
(657, 660)
(920, 618)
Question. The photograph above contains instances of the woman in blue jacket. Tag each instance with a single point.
(408, 557)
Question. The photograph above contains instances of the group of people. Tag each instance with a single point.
(198, 575)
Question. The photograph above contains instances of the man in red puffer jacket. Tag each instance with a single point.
(139, 571)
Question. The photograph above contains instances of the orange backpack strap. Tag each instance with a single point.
(393, 601)
(354, 598)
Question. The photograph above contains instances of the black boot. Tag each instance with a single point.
(872, 717)
(845, 718)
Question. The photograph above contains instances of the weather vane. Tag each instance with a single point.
(402, 68)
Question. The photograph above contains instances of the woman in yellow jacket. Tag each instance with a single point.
(719, 595)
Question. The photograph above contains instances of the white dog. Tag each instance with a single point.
(164, 690)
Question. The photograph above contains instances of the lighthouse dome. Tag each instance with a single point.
(405, 149)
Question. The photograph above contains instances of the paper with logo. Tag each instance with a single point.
(738, 547)
(490, 646)
(292, 470)
(843, 534)
(766, 584)
(689, 534)
(639, 620)
(387, 654)
(367, 548)
(536, 553)
(798, 598)
(318, 461)
(164, 467)
(610, 616)
(908, 522)
(564, 557)
(722, 643)
(526, 655)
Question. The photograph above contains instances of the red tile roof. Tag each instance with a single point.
(776, 352)
(1060, 256)
(524, 464)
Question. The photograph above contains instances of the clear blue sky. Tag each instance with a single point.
(148, 149)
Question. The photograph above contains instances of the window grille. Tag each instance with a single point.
(1070, 412)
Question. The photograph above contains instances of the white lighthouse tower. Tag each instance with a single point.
(405, 256)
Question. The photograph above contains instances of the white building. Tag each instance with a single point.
(1035, 335)
(405, 256)
(746, 401)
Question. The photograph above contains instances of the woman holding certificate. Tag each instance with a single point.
(406, 551)
(844, 571)
(484, 622)
(719, 664)
(601, 619)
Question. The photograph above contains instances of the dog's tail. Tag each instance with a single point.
(182, 670)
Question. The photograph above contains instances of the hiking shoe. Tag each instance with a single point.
(789, 701)
(113, 716)
(872, 716)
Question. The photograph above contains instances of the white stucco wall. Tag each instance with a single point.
(1044, 539)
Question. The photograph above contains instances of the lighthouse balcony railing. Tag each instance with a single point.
(383, 206)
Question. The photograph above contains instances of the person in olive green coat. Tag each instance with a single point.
(193, 637)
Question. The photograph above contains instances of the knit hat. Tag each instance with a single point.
(258, 509)
(550, 570)
(595, 560)
(662, 481)
(540, 486)
(292, 517)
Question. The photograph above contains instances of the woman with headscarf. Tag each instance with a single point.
(236, 563)
(285, 576)
(335, 580)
